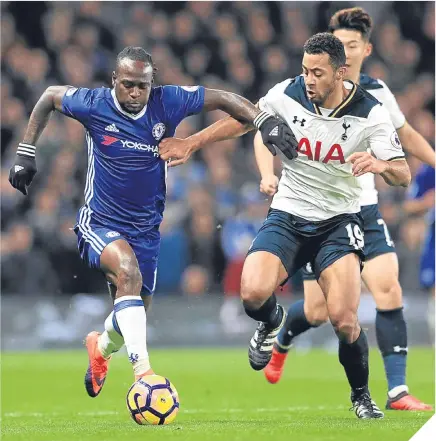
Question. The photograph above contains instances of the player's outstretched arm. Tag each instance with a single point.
(24, 169)
(265, 163)
(414, 143)
(245, 116)
(180, 150)
(50, 100)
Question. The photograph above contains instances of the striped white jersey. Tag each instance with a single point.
(379, 90)
(319, 185)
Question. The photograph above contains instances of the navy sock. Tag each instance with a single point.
(354, 359)
(296, 323)
(268, 313)
(391, 332)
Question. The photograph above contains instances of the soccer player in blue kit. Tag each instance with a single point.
(118, 225)
(421, 200)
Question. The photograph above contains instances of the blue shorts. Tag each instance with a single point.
(297, 241)
(92, 240)
(377, 238)
(427, 263)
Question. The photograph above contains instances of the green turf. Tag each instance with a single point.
(43, 399)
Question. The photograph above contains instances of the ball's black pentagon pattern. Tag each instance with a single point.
(147, 408)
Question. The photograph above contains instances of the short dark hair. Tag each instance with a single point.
(355, 19)
(326, 43)
(136, 53)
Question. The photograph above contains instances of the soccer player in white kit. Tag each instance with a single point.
(353, 27)
(314, 216)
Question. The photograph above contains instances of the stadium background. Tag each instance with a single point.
(214, 207)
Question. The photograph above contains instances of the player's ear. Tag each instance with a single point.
(368, 50)
(114, 77)
(340, 73)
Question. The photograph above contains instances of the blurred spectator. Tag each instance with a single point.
(195, 280)
(25, 268)
(173, 258)
(239, 232)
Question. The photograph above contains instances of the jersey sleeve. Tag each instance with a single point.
(273, 100)
(397, 117)
(77, 103)
(382, 138)
(182, 101)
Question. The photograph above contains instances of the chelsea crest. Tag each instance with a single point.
(158, 131)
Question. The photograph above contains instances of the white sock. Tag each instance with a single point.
(398, 390)
(110, 340)
(132, 320)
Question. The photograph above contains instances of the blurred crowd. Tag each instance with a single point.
(214, 207)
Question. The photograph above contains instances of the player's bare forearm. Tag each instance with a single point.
(235, 105)
(397, 173)
(180, 150)
(264, 158)
(50, 100)
(226, 128)
(414, 143)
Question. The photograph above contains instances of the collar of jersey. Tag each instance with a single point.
(129, 115)
(344, 103)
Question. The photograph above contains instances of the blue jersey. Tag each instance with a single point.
(125, 184)
(425, 181)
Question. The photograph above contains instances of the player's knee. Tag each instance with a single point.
(129, 280)
(316, 315)
(389, 296)
(345, 325)
(253, 292)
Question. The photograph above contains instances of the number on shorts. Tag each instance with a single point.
(389, 241)
(356, 236)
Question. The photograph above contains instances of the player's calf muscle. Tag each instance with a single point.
(129, 281)
(120, 266)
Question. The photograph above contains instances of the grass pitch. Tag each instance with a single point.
(222, 399)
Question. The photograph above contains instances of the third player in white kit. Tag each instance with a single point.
(353, 27)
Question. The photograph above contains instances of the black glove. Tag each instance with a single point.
(276, 135)
(24, 169)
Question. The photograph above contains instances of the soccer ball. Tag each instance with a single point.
(153, 400)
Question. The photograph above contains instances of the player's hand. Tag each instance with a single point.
(269, 185)
(364, 162)
(175, 150)
(276, 135)
(24, 169)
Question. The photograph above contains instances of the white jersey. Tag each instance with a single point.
(379, 90)
(319, 184)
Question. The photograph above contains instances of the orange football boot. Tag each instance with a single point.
(274, 368)
(98, 366)
(405, 401)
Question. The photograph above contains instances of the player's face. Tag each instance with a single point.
(356, 50)
(320, 78)
(132, 83)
